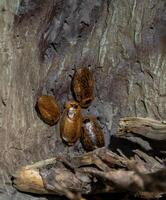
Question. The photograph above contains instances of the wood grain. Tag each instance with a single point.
(42, 41)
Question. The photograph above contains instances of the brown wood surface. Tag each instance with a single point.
(42, 41)
(100, 171)
(146, 127)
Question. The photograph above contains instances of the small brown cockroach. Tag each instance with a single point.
(92, 136)
(70, 123)
(83, 86)
(48, 109)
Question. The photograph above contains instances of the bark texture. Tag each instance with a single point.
(122, 41)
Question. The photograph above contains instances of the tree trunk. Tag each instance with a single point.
(42, 41)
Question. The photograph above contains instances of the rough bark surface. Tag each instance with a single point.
(42, 41)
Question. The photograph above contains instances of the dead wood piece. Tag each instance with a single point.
(151, 163)
(66, 179)
(147, 127)
(100, 171)
(29, 180)
(120, 180)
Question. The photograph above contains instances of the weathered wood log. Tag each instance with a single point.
(100, 171)
(146, 127)
(123, 43)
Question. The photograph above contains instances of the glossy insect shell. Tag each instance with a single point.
(83, 86)
(48, 109)
(70, 123)
(92, 136)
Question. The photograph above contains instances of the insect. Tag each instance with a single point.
(48, 109)
(92, 136)
(83, 86)
(70, 123)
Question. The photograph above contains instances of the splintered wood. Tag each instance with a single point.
(99, 171)
(146, 127)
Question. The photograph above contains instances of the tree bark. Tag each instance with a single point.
(43, 41)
